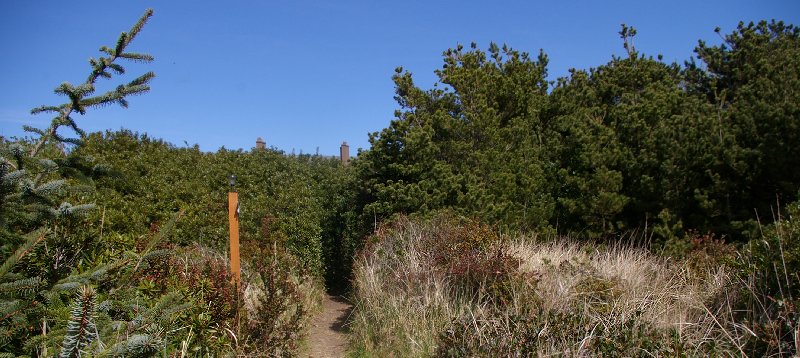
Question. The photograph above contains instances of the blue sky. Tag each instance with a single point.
(310, 74)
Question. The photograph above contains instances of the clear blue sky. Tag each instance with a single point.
(308, 74)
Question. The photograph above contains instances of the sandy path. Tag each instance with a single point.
(327, 337)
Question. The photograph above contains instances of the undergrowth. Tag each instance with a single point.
(448, 288)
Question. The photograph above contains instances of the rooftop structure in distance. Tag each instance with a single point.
(260, 143)
(344, 153)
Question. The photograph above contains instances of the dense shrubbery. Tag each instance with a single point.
(151, 179)
(632, 144)
(282, 221)
(134, 252)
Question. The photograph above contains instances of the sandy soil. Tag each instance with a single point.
(327, 337)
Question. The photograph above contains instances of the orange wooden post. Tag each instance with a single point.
(233, 219)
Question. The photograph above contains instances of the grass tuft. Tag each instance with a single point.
(446, 288)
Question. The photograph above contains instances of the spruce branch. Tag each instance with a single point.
(138, 25)
(134, 90)
(14, 150)
(71, 123)
(137, 345)
(42, 109)
(102, 49)
(117, 68)
(136, 57)
(74, 141)
(81, 330)
(121, 43)
(96, 276)
(6, 162)
(50, 188)
(118, 95)
(33, 239)
(142, 80)
(69, 210)
(10, 309)
(165, 231)
(48, 165)
(21, 288)
(64, 88)
(100, 68)
(13, 177)
(102, 100)
(30, 129)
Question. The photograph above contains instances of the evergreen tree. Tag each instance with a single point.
(751, 81)
(35, 177)
(467, 147)
(636, 146)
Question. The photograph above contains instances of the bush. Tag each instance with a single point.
(278, 301)
(472, 255)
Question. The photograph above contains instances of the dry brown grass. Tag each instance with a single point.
(564, 298)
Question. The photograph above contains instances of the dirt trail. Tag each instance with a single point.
(327, 337)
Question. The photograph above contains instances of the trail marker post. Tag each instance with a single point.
(233, 220)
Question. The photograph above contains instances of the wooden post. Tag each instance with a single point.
(233, 219)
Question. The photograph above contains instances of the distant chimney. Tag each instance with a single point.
(260, 143)
(344, 153)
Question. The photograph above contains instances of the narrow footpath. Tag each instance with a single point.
(327, 337)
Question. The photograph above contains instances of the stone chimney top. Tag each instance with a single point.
(344, 153)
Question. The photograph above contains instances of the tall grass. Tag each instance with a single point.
(421, 291)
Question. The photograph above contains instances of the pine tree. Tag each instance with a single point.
(751, 81)
(480, 149)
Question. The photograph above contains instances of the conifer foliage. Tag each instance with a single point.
(38, 177)
(81, 329)
(635, 143)
(81, 97)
